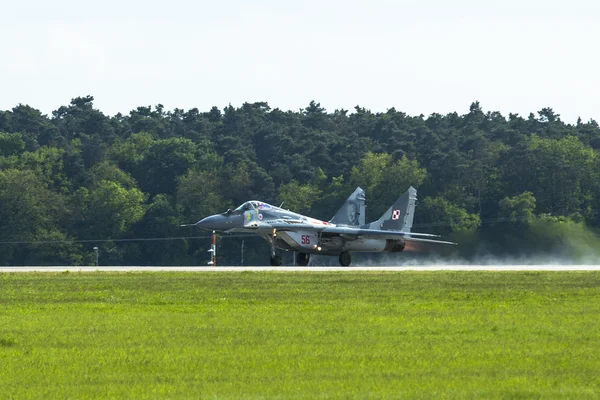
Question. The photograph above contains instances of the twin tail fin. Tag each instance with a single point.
(352, 212)
(400, 216)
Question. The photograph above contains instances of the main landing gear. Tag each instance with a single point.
(345, 258)
(302, 259)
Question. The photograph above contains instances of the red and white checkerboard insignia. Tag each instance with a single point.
(396, 215)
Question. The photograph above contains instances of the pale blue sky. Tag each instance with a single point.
(417, 56)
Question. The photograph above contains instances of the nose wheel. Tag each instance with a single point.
(345, 258)
(275, 261)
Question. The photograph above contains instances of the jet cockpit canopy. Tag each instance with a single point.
(254, 205)
(245, 207)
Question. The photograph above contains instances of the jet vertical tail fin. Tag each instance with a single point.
(352, 212)
(400, 215)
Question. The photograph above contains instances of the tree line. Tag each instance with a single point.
(78, 179)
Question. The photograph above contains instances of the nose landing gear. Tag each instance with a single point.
(275, 261)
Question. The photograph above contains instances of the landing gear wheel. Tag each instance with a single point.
(345, 258)
(275, 261)
(302, 259)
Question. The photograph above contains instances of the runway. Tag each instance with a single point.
(303, 269)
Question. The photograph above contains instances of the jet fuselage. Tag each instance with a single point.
(267, 220)
(346, 232)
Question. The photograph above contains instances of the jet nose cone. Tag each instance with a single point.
(211, 223)
(220, 222)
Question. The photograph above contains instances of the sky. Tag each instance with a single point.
(420, 57)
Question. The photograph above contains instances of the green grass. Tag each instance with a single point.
(300, 335)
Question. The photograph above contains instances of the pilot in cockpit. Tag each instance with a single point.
(246, 206)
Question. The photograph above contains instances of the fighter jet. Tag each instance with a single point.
(345, 233)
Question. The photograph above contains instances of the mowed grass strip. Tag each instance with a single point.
(300, 335)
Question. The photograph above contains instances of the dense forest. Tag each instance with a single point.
(501, 186)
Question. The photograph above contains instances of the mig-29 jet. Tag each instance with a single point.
(346, 232)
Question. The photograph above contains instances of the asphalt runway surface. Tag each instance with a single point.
(306, 269)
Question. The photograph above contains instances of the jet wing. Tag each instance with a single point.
(372, 233)
(354, 233)
(349, 232)
(411, 239)
(381, 234)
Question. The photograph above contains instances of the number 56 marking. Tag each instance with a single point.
(305, 239)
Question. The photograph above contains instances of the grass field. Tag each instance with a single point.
(300, 335)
